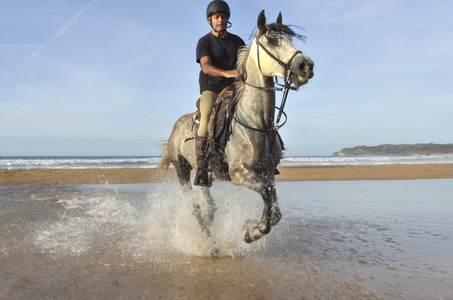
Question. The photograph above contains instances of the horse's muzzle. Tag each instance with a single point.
(302, 70)
(307, 67)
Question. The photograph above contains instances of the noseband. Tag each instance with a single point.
(287, 65)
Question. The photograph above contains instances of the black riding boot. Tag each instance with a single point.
(202, 177)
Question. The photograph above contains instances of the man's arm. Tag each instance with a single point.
(209, 69)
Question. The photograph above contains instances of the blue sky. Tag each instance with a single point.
(111, 77)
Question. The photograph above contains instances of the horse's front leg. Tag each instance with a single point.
(271, 216)
(192, 203)
(206, 219)
(212, 207)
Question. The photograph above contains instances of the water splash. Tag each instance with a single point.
(171, 219)
(143, 224)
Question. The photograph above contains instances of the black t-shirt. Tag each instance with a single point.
(223, 53)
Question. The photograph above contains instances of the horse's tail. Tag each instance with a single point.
(164, 162)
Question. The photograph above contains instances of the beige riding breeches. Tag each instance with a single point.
(207, 102)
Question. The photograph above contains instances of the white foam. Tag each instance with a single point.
(159, 222)
(365, 160)
(12, 163)
(171, 219)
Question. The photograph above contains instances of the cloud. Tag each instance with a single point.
(60, 32)
(35, 53)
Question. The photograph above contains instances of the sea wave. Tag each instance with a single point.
(122, 162)
(12, 163)
(365, 160)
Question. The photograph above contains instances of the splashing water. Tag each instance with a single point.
(171, 221)
(160, 219)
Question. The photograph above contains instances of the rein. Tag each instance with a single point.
(283, 87)
(263, 130)
(271, 131)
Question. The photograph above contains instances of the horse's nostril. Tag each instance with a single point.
(302, 66)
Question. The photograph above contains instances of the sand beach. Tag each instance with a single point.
(287, 173)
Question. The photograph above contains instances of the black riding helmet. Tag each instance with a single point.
(217, 6)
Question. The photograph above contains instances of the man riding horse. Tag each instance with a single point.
(252, 152)
(217, 55)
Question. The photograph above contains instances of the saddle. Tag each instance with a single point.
(220, 120)
(219, 127)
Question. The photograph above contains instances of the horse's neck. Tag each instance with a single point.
(257, 105)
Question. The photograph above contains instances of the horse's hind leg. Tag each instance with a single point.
(183, 169)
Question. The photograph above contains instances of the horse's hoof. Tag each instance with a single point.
(206, 233)
(247, 237)
(249, 226)
(214, 253)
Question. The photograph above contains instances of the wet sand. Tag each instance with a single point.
(288, 173)
(369, 239)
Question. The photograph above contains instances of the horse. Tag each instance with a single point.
(253, 150)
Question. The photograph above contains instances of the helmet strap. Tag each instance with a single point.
(220, 34)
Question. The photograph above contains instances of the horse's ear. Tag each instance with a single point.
(261, 20)
(279, 18)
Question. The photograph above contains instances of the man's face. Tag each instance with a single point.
(219, 21)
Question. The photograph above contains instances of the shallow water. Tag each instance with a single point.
(337, 240)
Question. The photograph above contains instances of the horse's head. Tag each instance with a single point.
(277, 55)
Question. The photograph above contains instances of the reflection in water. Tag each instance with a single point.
(339, 240)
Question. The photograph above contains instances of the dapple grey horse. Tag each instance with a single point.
(253, 150)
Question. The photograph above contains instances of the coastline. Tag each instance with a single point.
(287, 173)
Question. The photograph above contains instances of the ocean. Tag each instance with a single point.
(103, 162)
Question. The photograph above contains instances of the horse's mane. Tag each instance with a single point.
(275, 31)
(243, 54)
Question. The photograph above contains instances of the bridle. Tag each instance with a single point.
(283, 87)
(287, 86)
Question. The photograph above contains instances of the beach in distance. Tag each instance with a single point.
(287, 173)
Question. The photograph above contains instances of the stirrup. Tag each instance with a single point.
(202, 178)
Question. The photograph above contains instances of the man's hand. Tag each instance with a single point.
(209, 69)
